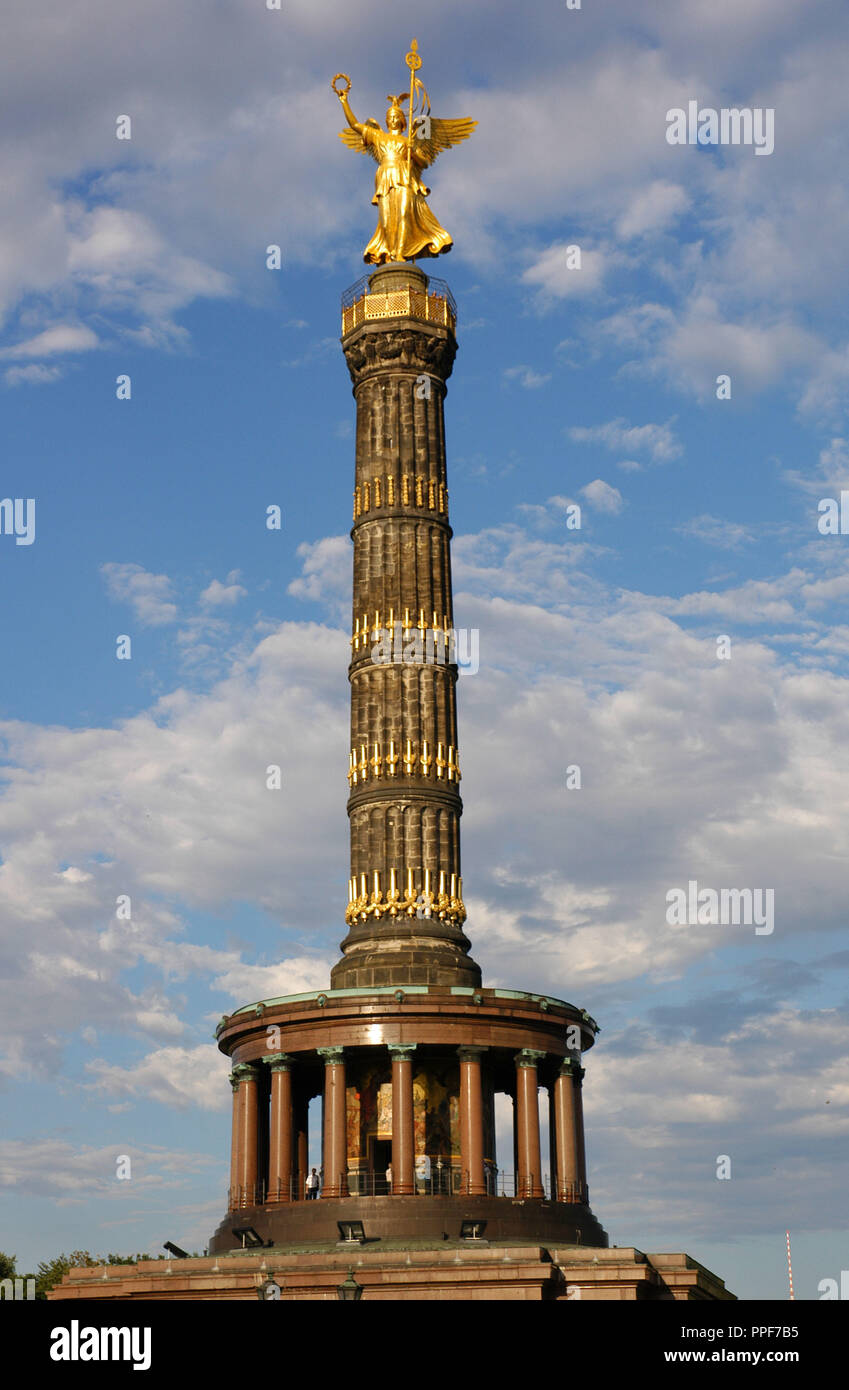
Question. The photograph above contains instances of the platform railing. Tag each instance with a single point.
(515, 1186)
(434, 305)
(445, 1180)
(449, 1180)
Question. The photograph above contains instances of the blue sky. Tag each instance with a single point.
(597, 647)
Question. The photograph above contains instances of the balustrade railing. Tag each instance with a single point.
(445, 1180)
(434, 305)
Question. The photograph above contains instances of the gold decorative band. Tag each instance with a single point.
(413, 762)
(367, 632)
(441, 897)
(416, 491)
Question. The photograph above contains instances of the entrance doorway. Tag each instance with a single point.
(380, 1157)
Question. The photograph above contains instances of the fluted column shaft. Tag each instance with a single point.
(300, 1108)
(245, 1133)
(234, 1143)
(580, 1141)
(403, 1151)
(566, 1133)
(529, 1176)
(405, 910)
(280, 1135)
(335, 1123)
(471, 1121)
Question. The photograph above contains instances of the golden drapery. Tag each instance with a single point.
(406, 227)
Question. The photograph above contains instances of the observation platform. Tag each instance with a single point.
(387, 294)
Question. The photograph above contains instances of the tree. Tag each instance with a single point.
(52, 1272)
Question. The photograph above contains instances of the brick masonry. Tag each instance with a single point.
(454, 1271)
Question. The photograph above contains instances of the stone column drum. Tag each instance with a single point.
(335, 1123)
(403, 1155)
(246, 1135)
(405, 909)
(280, 1153)
(529, 1175)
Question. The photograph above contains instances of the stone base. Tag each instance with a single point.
(402, 1219)
(454, 1271)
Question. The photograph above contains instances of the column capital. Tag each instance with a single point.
(401, 1052)
(243, 1071)
(529, 1057)
(571, 1066)
(471, 1054)
(279, 1061)
(333, 1056)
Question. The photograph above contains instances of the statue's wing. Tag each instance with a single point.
(443, 134)
(355, 141)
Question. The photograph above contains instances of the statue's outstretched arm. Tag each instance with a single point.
(349, 115)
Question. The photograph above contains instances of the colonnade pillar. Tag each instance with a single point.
(566, 1146)
(243, 1162)
(580, 1143)
(552, 1139)
(300, 1125)
(234, 1142)
(335, 1123)
(403, 1147)
(471, 1121)
(529, 1163)
(280, 1136)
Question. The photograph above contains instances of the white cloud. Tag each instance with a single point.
(36, 374)
(783, 1065)
(555, 276)
(177, 815)
(150, 595)
(58, 1171)
(326, 573)
(62, 337)
(527, 377)
(705, 343)
(603, 497)
(652, 208)
(714, 530)
(830, 474)
(174, 1076)
(218, 595)
(657, 441)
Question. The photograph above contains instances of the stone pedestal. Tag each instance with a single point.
(452, 1270)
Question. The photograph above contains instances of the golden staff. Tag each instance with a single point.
(413, 62)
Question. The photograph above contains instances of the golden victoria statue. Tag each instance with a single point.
(406, 228)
